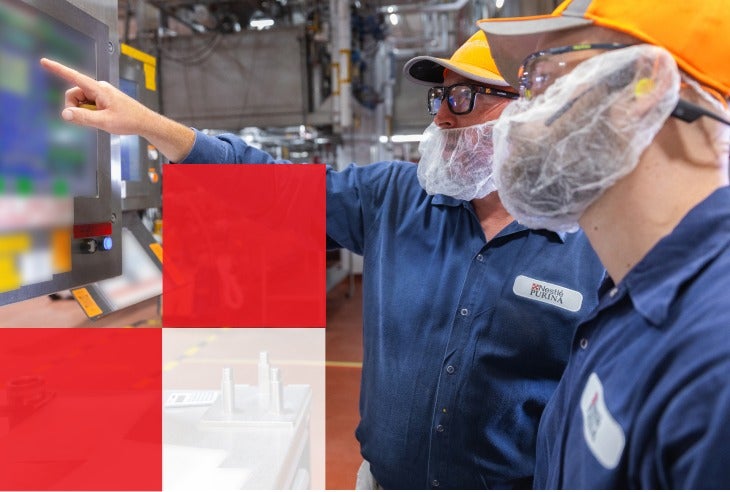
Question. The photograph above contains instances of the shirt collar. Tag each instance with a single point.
(514, 227)
(700, 237)
(446, 200)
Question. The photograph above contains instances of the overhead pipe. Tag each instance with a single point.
(344, 33)
(420, 7)
(335, 64)
(384, 81)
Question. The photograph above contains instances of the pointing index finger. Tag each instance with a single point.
(86, 83)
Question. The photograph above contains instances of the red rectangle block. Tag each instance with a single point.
(81, 409)
(244, 245)
(92, 230)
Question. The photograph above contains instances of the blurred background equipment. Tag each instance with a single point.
(310, 81)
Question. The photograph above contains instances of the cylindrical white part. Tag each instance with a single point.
(276, 393)
(228, 391)
(264, 379)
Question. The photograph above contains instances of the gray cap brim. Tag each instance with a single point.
(512, 40)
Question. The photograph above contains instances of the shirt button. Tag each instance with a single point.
(613, 292)
(435, 483)
(583, 343)
(439, 428)
(464, 311)
(450, 369)
(480, 258)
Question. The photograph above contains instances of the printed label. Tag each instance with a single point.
(604, 436)
(548, 293)
(87, 303)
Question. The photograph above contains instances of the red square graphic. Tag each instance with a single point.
(244, 245)
(81, 409)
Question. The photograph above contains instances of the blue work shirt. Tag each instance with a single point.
(464, 339)
(645, 399)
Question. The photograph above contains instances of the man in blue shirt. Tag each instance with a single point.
(468, 315)
(645, 399)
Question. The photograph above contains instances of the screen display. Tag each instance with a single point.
(46, 164)
(40, 154)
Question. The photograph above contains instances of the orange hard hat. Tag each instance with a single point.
(695, 33)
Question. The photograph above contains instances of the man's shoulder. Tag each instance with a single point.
(389, 167)
(380, 175)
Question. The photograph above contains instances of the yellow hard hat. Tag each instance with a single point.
(472, 60)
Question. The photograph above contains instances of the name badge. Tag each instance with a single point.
(553, 294)
(604, 436)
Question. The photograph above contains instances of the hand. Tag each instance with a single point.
(115, 111)
(119, 114)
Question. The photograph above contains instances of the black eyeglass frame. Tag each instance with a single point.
(685, 110)
(475, 89)
(688, 112)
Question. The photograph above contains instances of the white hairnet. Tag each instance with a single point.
(557, 153)
(457, 161)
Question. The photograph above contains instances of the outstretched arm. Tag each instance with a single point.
(118, 113)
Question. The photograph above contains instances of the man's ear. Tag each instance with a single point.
(657, 79)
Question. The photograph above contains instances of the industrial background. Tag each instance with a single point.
(310, 81)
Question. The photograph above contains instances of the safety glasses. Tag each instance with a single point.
(460, 97)
(539, 70)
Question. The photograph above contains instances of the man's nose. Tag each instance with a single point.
(444, 118)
